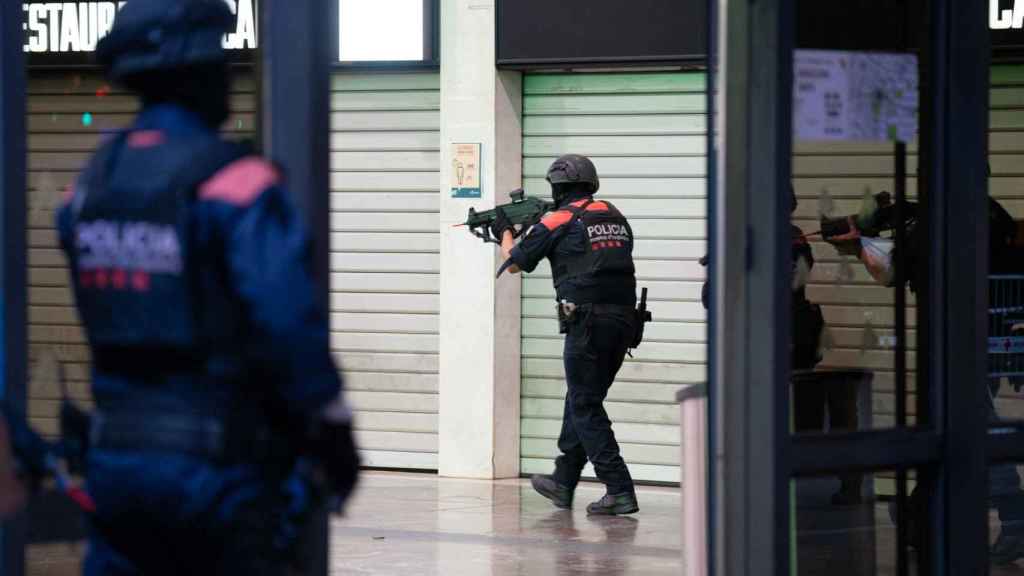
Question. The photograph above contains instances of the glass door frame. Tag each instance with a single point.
(752, 456)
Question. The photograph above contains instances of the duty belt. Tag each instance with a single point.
(604, 308)
(198, 436)
(146, 362)
(568, 312)
(569, 309)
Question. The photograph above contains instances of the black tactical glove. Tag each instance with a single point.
(501, 223)
(30, 450)
(335, 447)
(75, 426)
(841, 233)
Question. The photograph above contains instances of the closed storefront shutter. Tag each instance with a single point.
(645, 134)
(385, 262)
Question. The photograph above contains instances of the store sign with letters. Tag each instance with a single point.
(66, 33)
(1006, 14)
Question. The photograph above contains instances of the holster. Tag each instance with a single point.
(643, 316)
(638, 334)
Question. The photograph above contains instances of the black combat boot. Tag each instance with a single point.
(545, 485)
(614, 504)
(1009, 548)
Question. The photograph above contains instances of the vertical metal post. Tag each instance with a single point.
(294, 126)
(900, 207)
(711, 143)
(752, 278)
(296, 111)
(959, 143)
(13, 353)
(900, 157)
(931, 284)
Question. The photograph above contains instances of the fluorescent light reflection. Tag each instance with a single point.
(380, 30)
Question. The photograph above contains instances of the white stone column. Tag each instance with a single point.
(479, 346)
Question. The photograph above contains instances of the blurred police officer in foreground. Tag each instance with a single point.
(589, 244)
(220, 414)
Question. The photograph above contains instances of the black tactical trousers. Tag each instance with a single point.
(595, 347)
(1004, 481)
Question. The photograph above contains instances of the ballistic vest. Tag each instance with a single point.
(608, 244)
(131, 246)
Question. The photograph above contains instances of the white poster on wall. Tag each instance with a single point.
(858, 96)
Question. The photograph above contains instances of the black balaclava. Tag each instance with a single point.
(565, 192)
(201, 88)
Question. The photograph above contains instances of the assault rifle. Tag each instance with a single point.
(877, 215)
(523, 211)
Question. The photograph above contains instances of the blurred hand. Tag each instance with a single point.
(13, 494)
(336, 449)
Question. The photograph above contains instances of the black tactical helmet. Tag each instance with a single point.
(572, 168)
(154, 35)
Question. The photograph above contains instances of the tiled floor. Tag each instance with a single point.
(405, 524)
(419, 524)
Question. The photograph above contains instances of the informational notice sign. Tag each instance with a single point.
(465, 182)
(858, 96)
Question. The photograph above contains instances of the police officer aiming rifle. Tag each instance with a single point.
(589, 244)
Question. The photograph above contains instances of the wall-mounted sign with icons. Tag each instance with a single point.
(66, 33)
(465, 182)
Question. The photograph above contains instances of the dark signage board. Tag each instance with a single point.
(62, 34)
(538, 33)
(897, 25)
(561, 33)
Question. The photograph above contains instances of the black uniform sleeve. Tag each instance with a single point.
(270, 261)
(268, 257)
(540, 240)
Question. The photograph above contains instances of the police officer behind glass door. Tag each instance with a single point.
(589, 244)
(215, 390)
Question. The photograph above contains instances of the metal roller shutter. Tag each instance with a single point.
(645, 133)
(384, 299)
(68, 113)
(385, 260)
